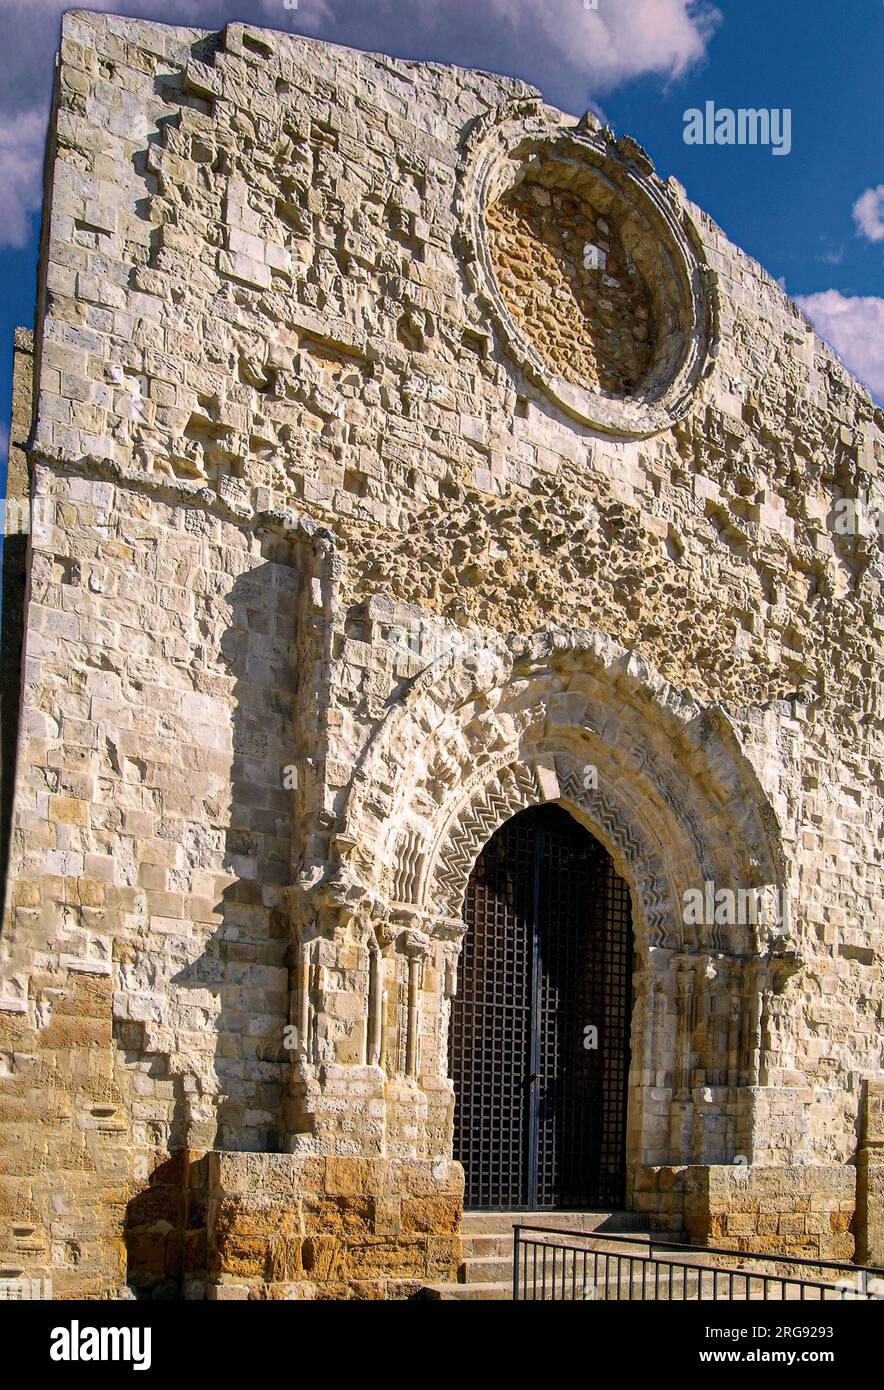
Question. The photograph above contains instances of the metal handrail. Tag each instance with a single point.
(863, 1272)
(673, 1245)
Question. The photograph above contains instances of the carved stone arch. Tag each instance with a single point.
(558, 775)
(684, 989)
(535, 779)
(429, 704)
(479, 736)
(673, 766)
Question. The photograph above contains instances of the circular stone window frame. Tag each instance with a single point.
(515, 141)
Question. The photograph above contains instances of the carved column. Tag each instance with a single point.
(684, 1053)
(682, 1109)
(734, 1022)
(334, 1036)
(416, 946)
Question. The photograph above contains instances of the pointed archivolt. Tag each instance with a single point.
(542, 778)
(674, 797)
(511, 789)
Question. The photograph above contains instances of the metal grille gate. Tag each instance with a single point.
(540, 1118)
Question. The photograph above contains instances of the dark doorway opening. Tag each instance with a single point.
(539, 1035)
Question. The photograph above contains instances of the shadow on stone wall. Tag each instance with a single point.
(14, 569)
(224, 1082)
(166, 1230)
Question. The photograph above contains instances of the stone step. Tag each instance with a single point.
(487, 1242)
(487, 1249)
(482, 1247)
(501, 1222)
(475, 1249)
(488, 1270)
(503, 1292)
(476, 1246)
(500, 1289)
(489, 1277)
(500, 1292)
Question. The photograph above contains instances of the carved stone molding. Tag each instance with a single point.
(525, 142)
(516, 786)
(669, 768)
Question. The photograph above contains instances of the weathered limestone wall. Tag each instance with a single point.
(869, 1219)
(330, 1227)
(16, 524)
(802, 1209)
(152, 849)
(291, 453)
(259, 1225)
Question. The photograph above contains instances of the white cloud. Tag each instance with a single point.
(552, 43)
(618, 40)
(21, 161)
(868, 213)
(854, 326)
(571, 53)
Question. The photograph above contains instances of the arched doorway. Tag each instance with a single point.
(540, 1099)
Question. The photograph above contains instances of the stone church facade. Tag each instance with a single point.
(406, 458)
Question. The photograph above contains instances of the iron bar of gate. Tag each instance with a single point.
(527, 1240)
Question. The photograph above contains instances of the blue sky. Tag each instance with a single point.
(814, 217)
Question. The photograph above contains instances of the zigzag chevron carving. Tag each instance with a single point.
(512, 789)
(515, 787)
